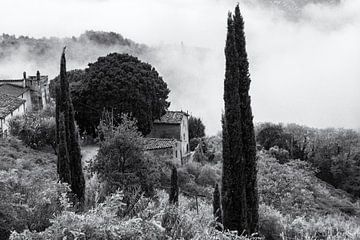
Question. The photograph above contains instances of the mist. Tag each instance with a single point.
(303, 54)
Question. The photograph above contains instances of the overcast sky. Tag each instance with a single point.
(304, 70)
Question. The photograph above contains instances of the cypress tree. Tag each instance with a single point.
(63, 167)
(239, 190)
(233, 180)
(174, 190)
(247, 126)
(216, 204)
(69, 136)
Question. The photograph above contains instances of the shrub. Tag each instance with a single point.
(280, 154)
(194, 142)
(193, 168)
(34, 129)
(120, 162)
(208, 176)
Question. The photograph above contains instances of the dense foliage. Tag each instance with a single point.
(121, 162)
(239, 191)
(311, 209)
(36, 129)
(29, 192)
(196, 128)
(334, 152)
(74, 78)
(122, 84)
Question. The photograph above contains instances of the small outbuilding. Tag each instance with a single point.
(173, 125)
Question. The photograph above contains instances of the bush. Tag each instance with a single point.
(280, 154)
(36, 130)
(120, 162)
(271, 223)
(208, 176)
(194, 142)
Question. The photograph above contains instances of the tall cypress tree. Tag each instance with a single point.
(174, 190)
(69, 137)
(239, 189)
(233, 189)
(217, 205)
(247, 125)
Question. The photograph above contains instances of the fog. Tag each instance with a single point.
(303, 55)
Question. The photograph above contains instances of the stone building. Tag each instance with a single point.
(9, 107)
(33, 91)
(173, 129)
(163, 147)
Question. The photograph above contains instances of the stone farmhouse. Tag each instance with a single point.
(170, 136)
(20, 95)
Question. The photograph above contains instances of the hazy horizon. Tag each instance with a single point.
(303, 58)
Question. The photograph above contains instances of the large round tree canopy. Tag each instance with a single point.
(118, 83)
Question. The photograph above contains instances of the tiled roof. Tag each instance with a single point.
(10, 80)
(159, 143)
(12, 90)
(172, 117)
(8, 104)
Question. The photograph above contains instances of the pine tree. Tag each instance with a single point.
(174, 190)
(67, 135)
(247, 126)
(239, 190)
(216, 204)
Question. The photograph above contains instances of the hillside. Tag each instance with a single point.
(293, 8)
(43, 53)
(293, 202)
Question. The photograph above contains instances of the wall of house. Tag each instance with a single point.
(40, 91)
(161, 130)
(162, 153)
(5, 122)
(173, 153)
(27, 97)
(185, 135)
(45, 96)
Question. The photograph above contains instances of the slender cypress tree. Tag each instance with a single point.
(69, 136)
(63, 167)
(233, 180)
(239, 190)
(216, 204)
(174, 190)
(247, 126)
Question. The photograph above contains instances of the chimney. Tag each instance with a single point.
(38, 77)
(24, 80)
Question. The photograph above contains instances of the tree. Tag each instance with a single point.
(75, 77)
(247, 125)
(121, 162)
(196, 128)
(271, 135)
(174, 190)
(239, 189)
(69, 154)
(122, 84)
(216, 204)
